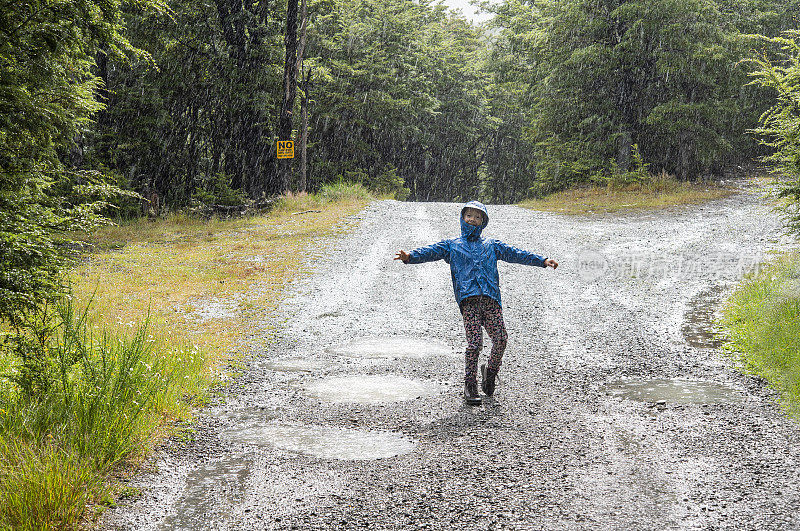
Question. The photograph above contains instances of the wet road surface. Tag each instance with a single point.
(615, 408)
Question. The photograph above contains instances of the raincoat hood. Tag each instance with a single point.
(471, 232)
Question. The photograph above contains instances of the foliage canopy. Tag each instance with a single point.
(780, 124)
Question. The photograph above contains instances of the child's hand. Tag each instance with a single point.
(402, 255)
(550, 263)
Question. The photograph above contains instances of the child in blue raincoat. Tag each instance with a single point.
(476, 284)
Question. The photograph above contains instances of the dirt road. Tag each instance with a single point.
(615, 409)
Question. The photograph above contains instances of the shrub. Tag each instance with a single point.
(217, 191)
(761, 321)
(83, 399)
(780, 125)
(344, 190)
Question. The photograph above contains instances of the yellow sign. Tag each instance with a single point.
(285, 149)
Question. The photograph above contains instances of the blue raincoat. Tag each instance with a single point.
(473, 260)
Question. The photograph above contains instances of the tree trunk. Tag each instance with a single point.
(683, 156)
(684, 148)
(302, 183)
(289, 90)
(624, 147)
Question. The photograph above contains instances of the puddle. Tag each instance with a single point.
(297, 365)
(369, 389)
(392, 347)
(238, 416)
(673, 391)
(698, 322)
(211, 491)
(325, 442)
(329, 314)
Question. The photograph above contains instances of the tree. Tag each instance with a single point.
(615, 73)
(198, 120)
(48, 95)
(399, 97)
(780, 125)
(289, 88)
(581, 82)
(511, 65)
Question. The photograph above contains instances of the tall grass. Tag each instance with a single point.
(104, 399)
(344, 191)
(43, 485)
(338, 192)
(620, 194)
(762, 323)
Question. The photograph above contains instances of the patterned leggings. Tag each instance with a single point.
(486, 312)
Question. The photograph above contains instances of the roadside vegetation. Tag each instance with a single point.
(762, 317)
(761, 321)
(202, 280)
(649, 192)
(157, 312)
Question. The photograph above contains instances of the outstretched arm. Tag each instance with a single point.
(509, 253)
(437, 251)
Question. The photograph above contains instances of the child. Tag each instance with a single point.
(476, 283)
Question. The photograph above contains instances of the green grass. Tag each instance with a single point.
(659, 191)
(128, 360)
(105, 397)
(762, 323)
(180, 269)
(43, 485)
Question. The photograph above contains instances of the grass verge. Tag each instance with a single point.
(204, 282)
(157, 313)
(656, 192)
(762, 323)
(96, 399)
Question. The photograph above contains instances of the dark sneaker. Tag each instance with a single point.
(471, 395)
(488, 380)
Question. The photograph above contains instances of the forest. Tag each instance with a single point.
(118, 109)
(109, 105)
(186, 99)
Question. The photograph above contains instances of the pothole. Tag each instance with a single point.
(370, 389)
(244, 415)
(211, 491)
(325, 442)
(673, 391)
(698, 323)
(391, 347)
(297, 365)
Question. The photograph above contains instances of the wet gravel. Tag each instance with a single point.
(631, 300)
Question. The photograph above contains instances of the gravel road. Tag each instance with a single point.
(615, 408)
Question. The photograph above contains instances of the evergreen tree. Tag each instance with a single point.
(511, 63)
(614, 73)
(201, 115)
(399, 99)
(48, 95)
(780, 125)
